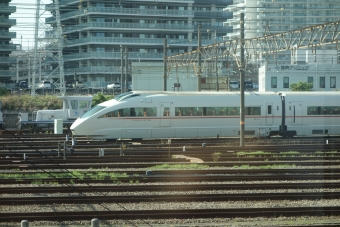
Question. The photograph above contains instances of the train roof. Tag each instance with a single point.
(76, 97)
(237, 93)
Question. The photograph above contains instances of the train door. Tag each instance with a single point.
(165, 118)
(295, 109)
(269, 113)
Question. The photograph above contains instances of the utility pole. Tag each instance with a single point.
(165, 75)
(241, 68)
(216, 68)
(121, 65)
(199, 59)
(126, 69)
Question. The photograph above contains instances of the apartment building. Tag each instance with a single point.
(6, 46)
(94, 32)
(265, 17)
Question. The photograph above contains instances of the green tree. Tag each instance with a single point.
(99, 98)
(301, 86)
(3, 91)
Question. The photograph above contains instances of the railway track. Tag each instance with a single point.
(168, 187)
(30, 200)
(312, 176)
(175, 178)
(171, 214)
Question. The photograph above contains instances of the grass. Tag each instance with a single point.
(275, 166)
(75, 174)
(179, 167)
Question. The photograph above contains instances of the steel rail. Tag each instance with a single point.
(30, 200)
(159, 187)
(171, 214)
(179, 178)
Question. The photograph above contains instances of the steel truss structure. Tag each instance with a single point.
(48, 46)
(257, 48)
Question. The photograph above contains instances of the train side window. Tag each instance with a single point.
(311, 110)
(269, 109)
(139, 111)
(178, 111)
(125, 112)
(110, 114)
(253, 111)
(233, 110)
(132, 112)
(150, 112)
(220, 111)
(197, 111)
(166, 111)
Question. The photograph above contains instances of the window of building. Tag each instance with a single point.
(285, 82)
(322, 82)
(310, 80)
(274, 82)
(333, 82)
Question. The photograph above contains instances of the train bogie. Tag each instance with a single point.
(204, 115)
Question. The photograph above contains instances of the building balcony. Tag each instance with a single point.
(7, 9)
(108, 56)
(92, 70)
(8, 47)
(215, 15)
(7, 73)
(107, 11)
(8, 60)
(63, 3)
(214, 2)
(127, 41)
(220, 30)
(128, 27)
(7, 22)
(8, 35)
(236, 7)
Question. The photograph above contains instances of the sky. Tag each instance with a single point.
(25, 21)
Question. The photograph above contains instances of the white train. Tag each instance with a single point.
(211, 114)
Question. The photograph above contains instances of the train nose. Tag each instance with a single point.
(77, 128)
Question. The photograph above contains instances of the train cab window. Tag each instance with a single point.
(84, 104)
(92, 111)
(74, 104)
